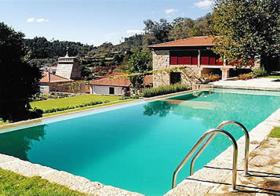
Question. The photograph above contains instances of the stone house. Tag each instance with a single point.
(178, 61)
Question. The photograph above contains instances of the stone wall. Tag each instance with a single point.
(69, 70)
(160, 63)
(70, 87)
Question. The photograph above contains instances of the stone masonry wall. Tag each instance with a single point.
(160, 62)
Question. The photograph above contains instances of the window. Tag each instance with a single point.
(175, 77)
(111, 90)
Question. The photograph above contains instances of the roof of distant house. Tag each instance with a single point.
(52, 78)
(118, 79)
(188, 42)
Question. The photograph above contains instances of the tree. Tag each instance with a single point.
(202, 26)
(248, 29)
(18, 79)
(181, 28)
(156, 32)
(139, 62)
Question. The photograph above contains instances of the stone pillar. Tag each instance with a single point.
(225, 73)
(160, 66)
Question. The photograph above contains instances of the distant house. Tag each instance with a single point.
(59, 76)
(115, 84)
(49, 80)
(194, 53)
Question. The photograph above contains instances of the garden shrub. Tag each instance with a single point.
(246, 76)
(150, 92)
(211, 77)
(259, 72)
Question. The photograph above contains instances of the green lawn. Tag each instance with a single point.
(15, 184)
(273, 76)
(275, 132)
(70, 103)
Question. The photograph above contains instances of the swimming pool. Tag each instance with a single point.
(137, 147)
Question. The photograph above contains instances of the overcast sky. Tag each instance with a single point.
(93, 21)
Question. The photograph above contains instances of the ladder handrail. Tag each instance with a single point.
(210, 132)
(220, 126)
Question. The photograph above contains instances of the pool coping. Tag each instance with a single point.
(218, 171)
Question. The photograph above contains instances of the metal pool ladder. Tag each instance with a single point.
(212, 133)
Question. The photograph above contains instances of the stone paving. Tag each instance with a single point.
(264, 175)
(257, 83)
(215, 177)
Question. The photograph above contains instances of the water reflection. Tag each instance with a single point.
(18, 143)
(161, 108)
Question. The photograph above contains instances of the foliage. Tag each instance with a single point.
(61, 104)
(260, 71)
(248, 29)
(156, 32)
(275, 132)
(40, 48)
(246, 76)
(18, 79)
(15, 184)
(139, 63)
(181, 28)
(162, 90)
(211, 77)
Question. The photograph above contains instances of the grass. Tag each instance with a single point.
(273, 76)
(52, 107)
(88, 107)
(275, 132)
(15, 184)
(61, 104)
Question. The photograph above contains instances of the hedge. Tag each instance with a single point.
(162, 90)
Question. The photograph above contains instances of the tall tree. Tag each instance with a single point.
(140, 62)
(18, 79)
(156, 32)
(181, 28)
(248, 28)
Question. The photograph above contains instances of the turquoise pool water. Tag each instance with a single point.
(138, 147)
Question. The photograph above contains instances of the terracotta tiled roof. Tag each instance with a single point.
(118, 79)
(188, 42)
(49, 77)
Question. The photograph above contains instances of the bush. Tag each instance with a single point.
(211, 77)
(259, 72)
(246, 76)
(162, 90)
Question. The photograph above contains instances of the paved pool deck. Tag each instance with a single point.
(264, 167)
(254, 84)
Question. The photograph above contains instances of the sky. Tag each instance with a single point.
(93, 21)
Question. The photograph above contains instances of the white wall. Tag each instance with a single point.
(45, 89)
(104, 90)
